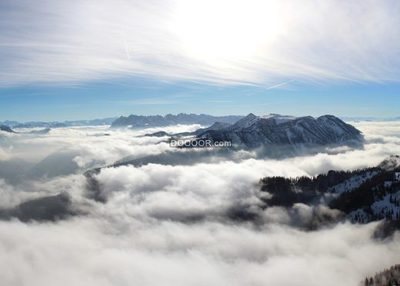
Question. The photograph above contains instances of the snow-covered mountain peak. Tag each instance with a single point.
(390, 163)
(279, 130)
(278, 118)
(246, 122)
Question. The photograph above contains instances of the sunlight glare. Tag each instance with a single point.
(226, 30)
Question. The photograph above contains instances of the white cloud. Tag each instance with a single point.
(260, 42)
(167, 225)
(122, 252)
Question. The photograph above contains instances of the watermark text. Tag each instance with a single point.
(199, 143)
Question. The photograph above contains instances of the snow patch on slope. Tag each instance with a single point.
(353, 183)
(279, 119)
(388, 206)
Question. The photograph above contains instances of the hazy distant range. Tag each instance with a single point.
(140, 121)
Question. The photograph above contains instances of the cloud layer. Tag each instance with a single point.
(168, 224)
(126, 252)
(258, 42)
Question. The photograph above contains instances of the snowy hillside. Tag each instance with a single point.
(362, 196)
(254, 131)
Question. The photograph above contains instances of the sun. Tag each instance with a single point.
(225, 30)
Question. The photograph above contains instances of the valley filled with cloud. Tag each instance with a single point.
(175, 222)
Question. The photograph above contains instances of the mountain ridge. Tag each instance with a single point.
(6, 128)
(170, 119)
(254, 131)
(57, 124)
(362, 196)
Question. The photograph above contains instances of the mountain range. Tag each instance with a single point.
(137, 121)
(56, 124)
(279, 130)
(253, 131)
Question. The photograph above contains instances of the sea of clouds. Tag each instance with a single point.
(172, 224)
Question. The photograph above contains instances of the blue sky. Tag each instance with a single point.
(141, 96)
(65, 60)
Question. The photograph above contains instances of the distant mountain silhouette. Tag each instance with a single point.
(57, 124)
(6, 128)
(170, 119)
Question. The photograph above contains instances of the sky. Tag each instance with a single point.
(65, 60)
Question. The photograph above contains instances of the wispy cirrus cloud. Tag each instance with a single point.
(225, 42)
